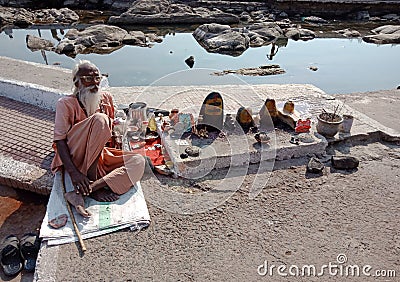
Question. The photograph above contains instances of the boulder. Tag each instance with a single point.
(150, 12)
(314, 165)
(100, 39)
(217, 38)
(36, 43)
(299, 33)
(344, 162)
(23, 18)
(387, 34)
(64, 16)
(263, 33)
(18, 17)
(348, 32)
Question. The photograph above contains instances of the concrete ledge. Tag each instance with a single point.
(30, 93)
(18, 174)
(237, 151)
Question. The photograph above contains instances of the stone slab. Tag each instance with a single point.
(236, 150)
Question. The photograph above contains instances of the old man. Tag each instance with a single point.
(83, 127)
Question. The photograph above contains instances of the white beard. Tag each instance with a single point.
(90, 100)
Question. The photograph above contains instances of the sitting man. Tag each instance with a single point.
(83, 126)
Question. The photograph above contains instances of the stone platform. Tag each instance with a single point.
(25, 146)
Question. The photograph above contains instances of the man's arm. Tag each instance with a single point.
(80, 181)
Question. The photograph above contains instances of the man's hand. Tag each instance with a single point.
(80, 181)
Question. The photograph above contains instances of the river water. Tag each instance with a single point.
(344, 65)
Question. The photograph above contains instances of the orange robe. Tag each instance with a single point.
(86, 138)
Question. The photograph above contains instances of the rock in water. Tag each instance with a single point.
(315, 166)
(344, 162)
(190, 61)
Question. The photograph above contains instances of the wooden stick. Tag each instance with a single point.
(71, 214)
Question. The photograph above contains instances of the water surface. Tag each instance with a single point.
(344, 65)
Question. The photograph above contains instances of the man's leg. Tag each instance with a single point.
(86, 141)
(124, 170)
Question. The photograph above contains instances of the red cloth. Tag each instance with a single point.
(151, 150)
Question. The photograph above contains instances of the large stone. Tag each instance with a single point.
(299, 33)
(164, 12)
(64, 15)
(222, 39)
(314, 165)
(344, 162)
(387, 34)
(35, 43)
(101, 39)
(18, 17)
(263, 33)
(23, 18)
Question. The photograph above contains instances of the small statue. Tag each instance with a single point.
(245, 119)
(269, 115)
(212, 112)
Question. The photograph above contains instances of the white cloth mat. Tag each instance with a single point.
(130, 210)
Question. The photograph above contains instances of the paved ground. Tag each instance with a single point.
(297, 219)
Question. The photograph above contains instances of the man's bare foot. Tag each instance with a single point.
(78, 202)
(104, 195)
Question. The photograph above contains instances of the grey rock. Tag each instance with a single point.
(344, 162)
(349, 32)
(36, 43)
(22, 18)
(314, 165)
(299, 33)
(217, 38)
(100, 39)
(164, 12)
(268, 32)
(314, 19)
(387, 34)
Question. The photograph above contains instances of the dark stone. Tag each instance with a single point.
(192, 151)
(344, 162)
(190, 61)
(315, 165)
